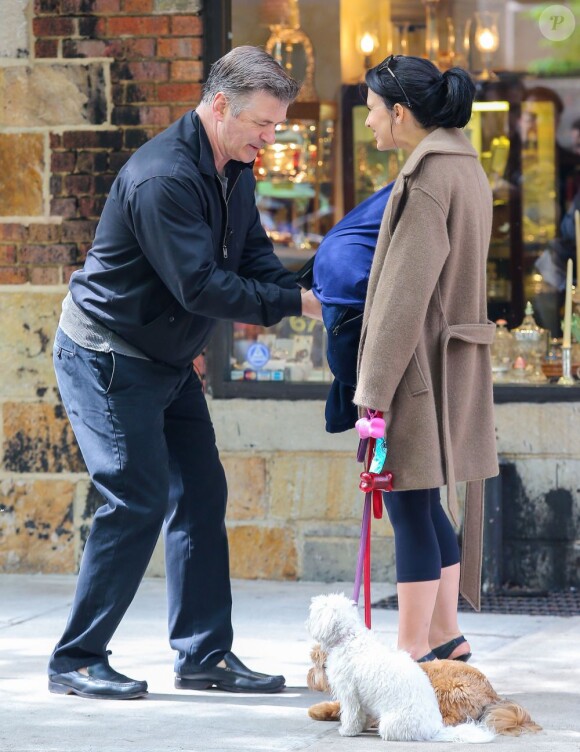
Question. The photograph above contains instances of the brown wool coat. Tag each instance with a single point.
(424, 356)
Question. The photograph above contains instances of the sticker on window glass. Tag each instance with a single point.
(258, 355)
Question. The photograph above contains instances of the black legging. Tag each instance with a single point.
(424, 537)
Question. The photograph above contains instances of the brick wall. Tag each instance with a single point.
(96, 80)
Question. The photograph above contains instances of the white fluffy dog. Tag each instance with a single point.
(373, 682)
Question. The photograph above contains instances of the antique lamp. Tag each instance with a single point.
(289, 158)
(486, 38)
(287, 41)
(367, 44)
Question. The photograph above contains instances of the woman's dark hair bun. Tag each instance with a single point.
(457, 99)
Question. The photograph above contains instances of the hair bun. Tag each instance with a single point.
(459, 91)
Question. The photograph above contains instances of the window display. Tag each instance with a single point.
(516, 144)
(293, 350)
(325, 162)
(285, 360)
(365, 169)
(294, 188)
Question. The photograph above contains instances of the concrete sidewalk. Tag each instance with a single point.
(534, 660)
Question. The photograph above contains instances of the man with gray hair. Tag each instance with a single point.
(178, 246)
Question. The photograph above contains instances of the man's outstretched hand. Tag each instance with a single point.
(311, 306)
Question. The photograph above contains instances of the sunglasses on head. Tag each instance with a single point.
(385, 66)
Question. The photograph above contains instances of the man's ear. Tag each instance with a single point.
(219, 105)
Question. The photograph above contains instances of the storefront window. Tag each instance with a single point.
(296, 184)
(525, 128)
(293, 350)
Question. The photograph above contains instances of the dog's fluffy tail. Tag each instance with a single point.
(325, 711)
(509, 719)
(470, 732)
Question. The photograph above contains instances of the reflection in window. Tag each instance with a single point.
(293, 350)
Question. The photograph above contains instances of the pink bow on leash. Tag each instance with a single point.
(371, 427)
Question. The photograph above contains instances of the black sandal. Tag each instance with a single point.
(444, 651)
(426, 658)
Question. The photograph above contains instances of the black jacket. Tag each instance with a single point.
(169, 257)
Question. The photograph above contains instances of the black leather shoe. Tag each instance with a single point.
(99, 683)
(234, 677)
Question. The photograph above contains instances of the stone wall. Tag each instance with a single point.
(540, 494)
(83, 83)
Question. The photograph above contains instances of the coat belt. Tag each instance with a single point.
(470, 585)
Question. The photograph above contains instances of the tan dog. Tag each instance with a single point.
(462, 691)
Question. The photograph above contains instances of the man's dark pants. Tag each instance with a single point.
(147, 439)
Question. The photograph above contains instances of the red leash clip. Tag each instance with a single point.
(372, 482)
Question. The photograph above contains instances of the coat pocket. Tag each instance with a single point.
(342, 346)
(414, 379)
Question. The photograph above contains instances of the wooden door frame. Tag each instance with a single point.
(217, 31)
